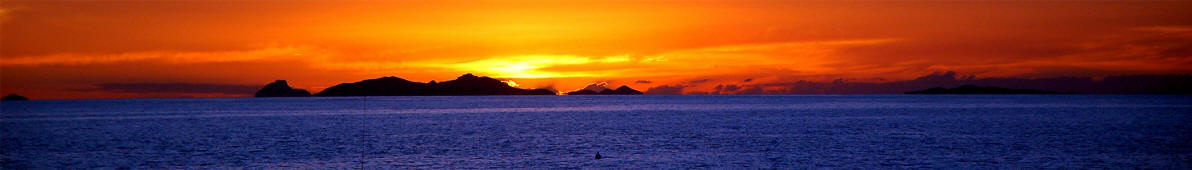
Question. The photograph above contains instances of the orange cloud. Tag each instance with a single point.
(49, 46)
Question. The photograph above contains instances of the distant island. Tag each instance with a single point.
(14, 97)
(280, 88)
(623, 90)
(971, 89)
(465, 85)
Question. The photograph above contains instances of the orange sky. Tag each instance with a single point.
(65, 49)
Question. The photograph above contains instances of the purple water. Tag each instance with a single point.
(817, 131)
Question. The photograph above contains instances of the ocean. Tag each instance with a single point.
(629, 132)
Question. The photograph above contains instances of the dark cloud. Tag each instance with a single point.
(1129, 84)
(175, 88)
(666, 89)
(748, 80)
(752, 90)
(643, 82)
(737, 89)
(726, 89)
(678, 88)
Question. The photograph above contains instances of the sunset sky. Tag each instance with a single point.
(144, 49)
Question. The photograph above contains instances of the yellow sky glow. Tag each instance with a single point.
(52, 49)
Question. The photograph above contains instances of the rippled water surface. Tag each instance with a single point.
(891, 131)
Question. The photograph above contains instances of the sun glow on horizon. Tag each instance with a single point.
(52, 49)
(510, 82)
(536, 66)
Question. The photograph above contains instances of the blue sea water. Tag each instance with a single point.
(794, 131)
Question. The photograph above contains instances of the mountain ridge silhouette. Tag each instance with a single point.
(280, 88)
(623, 90)
(464, 85)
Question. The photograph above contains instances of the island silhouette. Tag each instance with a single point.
(14, 97)
(280, 88)
(623, 90)
(464, 85)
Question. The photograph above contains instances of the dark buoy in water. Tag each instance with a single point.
(597, 155)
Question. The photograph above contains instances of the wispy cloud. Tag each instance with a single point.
(169, 57)
(1165, 29)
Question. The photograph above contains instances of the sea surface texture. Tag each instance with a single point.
(816, 131)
